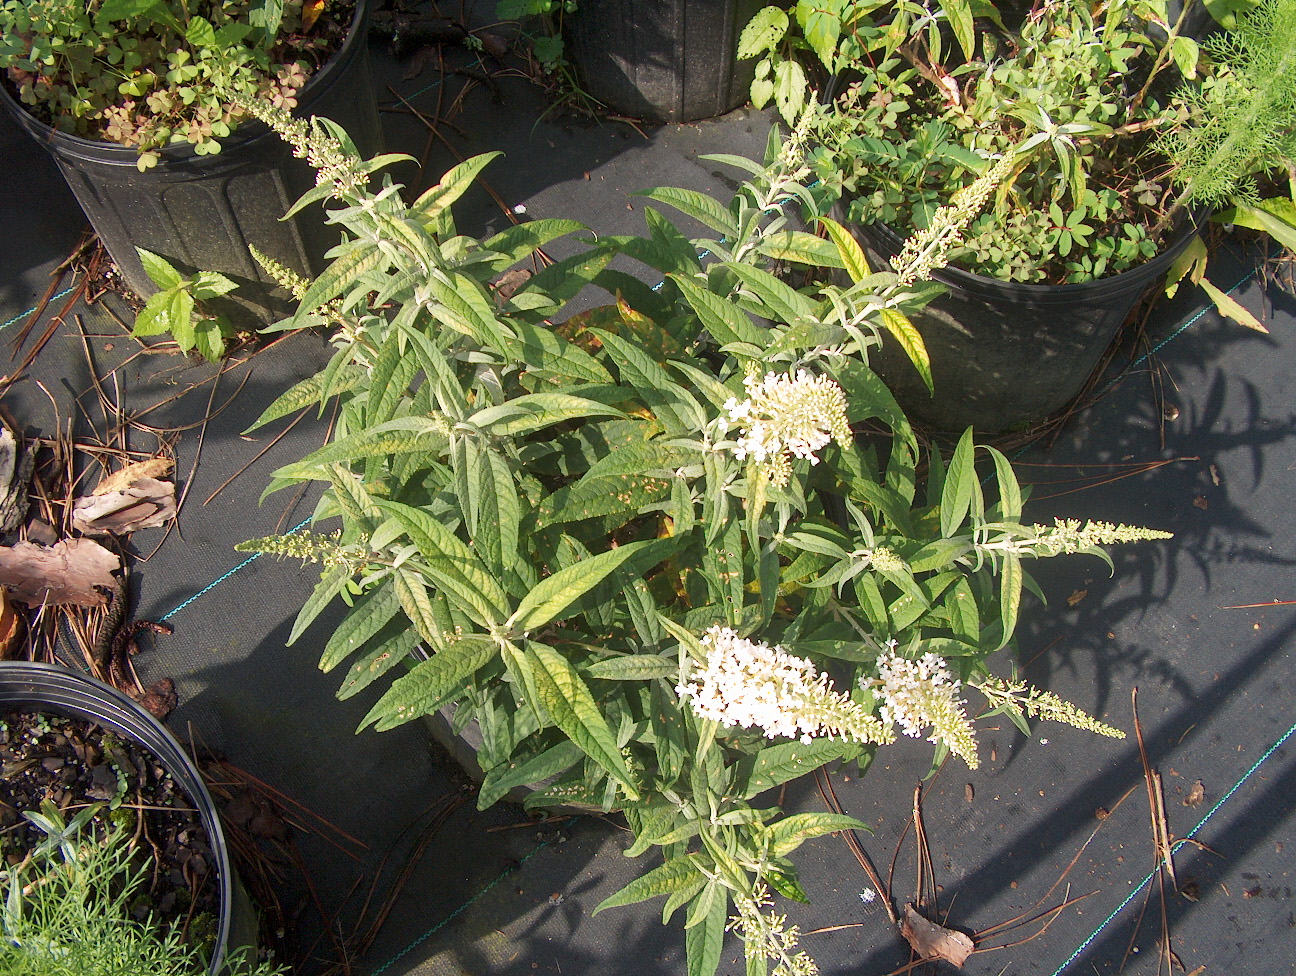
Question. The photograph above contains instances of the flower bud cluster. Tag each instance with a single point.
(754, 686)
(785, 417)
(923, 694)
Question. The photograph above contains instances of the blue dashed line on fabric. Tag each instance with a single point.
(32, 310)
(1201, 823)
(457, 912)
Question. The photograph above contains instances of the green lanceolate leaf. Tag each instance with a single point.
(345, 271)
(414, 600)
(775, 765)
(497, 513)
(674, 874)
(330, 585)
(573, 709)
(960, 483)
(778, 301)
(786, 835)
(431, 683)
(556, 593)
(518, 242)
(533, 411)
(704, 941)
(1010, 494)
(453, 185)
(800, 247)
(599, 496)
(450, 563)
(702, 208)
(506, 776)
(461, 305)
(911, 341)
(1010, 585)
(377, 661)
(848, 249)
(370, 614)
(404, 435)
(543, 351)
(725, 321)
(650, 381)
(633, 667)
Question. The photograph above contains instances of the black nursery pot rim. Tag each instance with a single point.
(33, 686)
(181, 155)
(1134, 279)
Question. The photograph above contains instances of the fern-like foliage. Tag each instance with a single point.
(1246, 115)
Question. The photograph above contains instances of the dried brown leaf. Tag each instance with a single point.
(145, 504)
(932, 941)
(11, 627)
(157, 467)
(1195, 795)
(1076, 596)
(74, 571)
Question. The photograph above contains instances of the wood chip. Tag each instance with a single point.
(158, 467)
(75, 571)
(11, 627)
(932, 941)
(147, 503)
(1195, 795)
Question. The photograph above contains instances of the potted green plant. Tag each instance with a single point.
(662, 60)
(1090, 103)
(132, 99)
(644, 549)
(73, 880)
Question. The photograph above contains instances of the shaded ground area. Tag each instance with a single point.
(1194, 433)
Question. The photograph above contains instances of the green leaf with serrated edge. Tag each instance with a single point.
(848, 249)
(702, 208)
(499, 512)
(377, 661)
(413, 596)
(531, 411)
(344, 272)
(724, 564)
(330, 585)
(791, 832)
(180, 311)
(911, 341)
(451, 187)
(541, 350)
(633, 667)
(763, 32)
(155, 317)
(449, 394)
(706, 384)
(209, 339)
(160, 271)
(726, 322)
(657, 821)
(959, 15)
(556, 593)
(800, 247)
(668, 732)
(776, 765)
(956, 499)
(452, 564)
(431, 683)
(673, 875)
(538, 768)
(573, 709)
(210, 284)
(381, 372)
(1010, 589)
(790, 85)
(643, 458)
(370, 614)
(518, 242)
(821, 26)
(702, 905)
(780, 301)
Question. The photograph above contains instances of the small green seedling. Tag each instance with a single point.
(177, 307)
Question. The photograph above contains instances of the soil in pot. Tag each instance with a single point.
(73, 764)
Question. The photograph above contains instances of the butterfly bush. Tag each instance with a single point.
(637, 547)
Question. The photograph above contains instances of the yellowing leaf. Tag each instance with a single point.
(1232, 309)
(311, 11)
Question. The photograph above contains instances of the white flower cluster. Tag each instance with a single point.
(752, 685)
(785, 415)
(922, 694)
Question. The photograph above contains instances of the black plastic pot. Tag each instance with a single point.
(202, 212)
(1006, 355)
(55, 690)
(662, 60)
